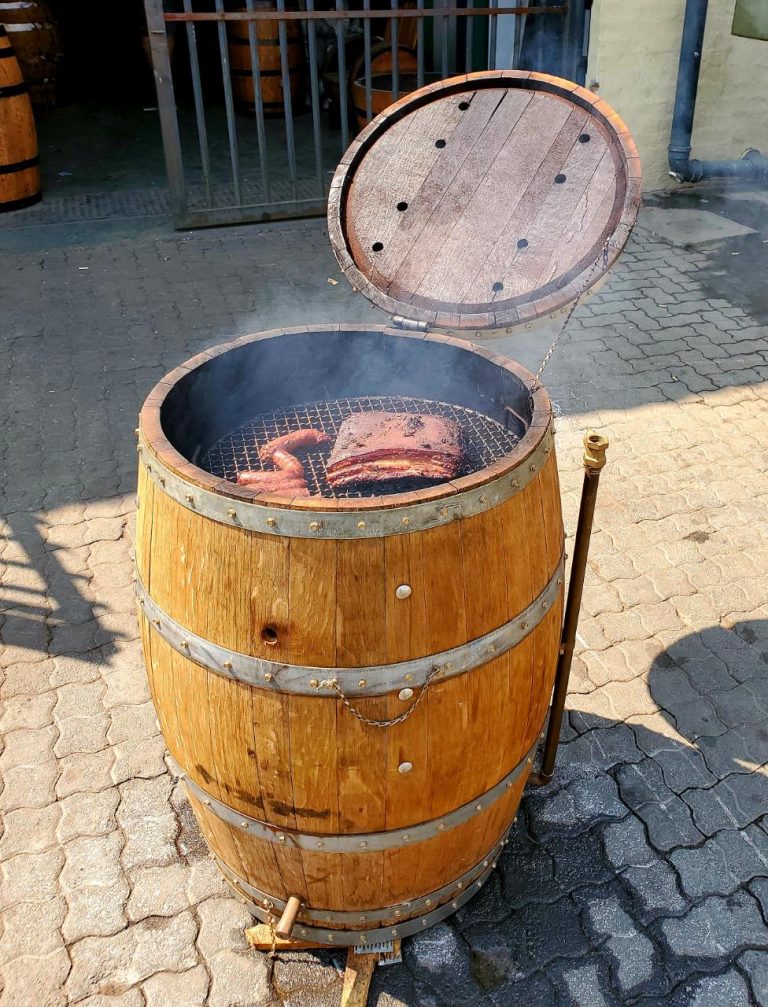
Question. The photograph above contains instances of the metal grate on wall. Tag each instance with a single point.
(258, 99)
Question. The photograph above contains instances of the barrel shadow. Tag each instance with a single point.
(640, 874)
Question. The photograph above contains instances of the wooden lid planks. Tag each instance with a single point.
(485, 201)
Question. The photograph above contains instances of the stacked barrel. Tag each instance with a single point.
(19, 157)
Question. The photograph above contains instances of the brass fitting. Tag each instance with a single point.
(595, 446)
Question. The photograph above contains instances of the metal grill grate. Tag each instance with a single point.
(486, 440)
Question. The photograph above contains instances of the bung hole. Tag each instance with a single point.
(402, 205)
(269, 636)
(378, 246)
(463, 105)
(439, 144)
(585, 138)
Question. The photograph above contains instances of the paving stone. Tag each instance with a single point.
(95, 886)
(723, 863)
(755, 964)
(85, 773)
(577, 806)
(131, 998)
(29, 786)
(165, 989)
(717, 928)
(441, 959)
(27, 747)
(626, 845)
(603, 748)
(740, 750)
(731, 803)
(132, 723)
(148, 822)
(139, 759)
(667, 817)
(32, 925)
(87, 815)
(633, 954)
(586, 986)
(27, 711)
(307, 970)
(30, 877)
(114, 964)
(727, 990)
(239, 976)
(35, 980)
(158, 891)
(654, 889)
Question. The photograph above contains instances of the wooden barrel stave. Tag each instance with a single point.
(381, 64)
(19, 157)
(269, 62)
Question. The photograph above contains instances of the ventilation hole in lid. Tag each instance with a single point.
(463, 105)
(439, 144)
(498, 285)
(522, 243)
(559, 179)
(269, 635)
(378, 246)
(585, 138)
(402, 205)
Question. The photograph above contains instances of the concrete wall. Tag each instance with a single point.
(633, 54)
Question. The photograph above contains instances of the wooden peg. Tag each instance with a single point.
(288, 920)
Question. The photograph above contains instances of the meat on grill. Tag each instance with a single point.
(288, 475)
(305, 437)
(382, 447)
(273, 482)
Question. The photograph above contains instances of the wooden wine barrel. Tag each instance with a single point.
(269, 64)
(275, 632)
(37, 43)
(381, 80)
(19, 157)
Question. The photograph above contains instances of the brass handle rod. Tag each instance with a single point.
(595, 447)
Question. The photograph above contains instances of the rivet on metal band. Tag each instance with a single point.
(413, 907)
(374, 841)
(292, 522)
(373, 680)
(346, 938)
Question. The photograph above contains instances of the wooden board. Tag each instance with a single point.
(486, 200)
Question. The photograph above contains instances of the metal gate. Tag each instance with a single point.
(258, 101)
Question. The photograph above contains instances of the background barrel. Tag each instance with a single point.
(269, 63)
(19, 158)
(35, 36)
(382, 94)
(305, 764)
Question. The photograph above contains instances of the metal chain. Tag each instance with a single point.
(333, 683)
(602, 255)
(271, 920)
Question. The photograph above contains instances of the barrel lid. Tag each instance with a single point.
(485, 201)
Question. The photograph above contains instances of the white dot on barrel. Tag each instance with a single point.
(405, 767)
(403, 591)
(405, 694)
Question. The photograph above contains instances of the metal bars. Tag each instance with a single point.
(258, 104)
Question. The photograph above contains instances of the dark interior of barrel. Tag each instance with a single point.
(221, 413)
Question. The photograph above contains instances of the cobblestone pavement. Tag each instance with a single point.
(640, 876)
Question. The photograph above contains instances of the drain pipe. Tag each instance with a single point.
(752, 165)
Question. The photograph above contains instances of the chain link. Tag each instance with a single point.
(271, 920)
(602, 255)
(333, 683)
